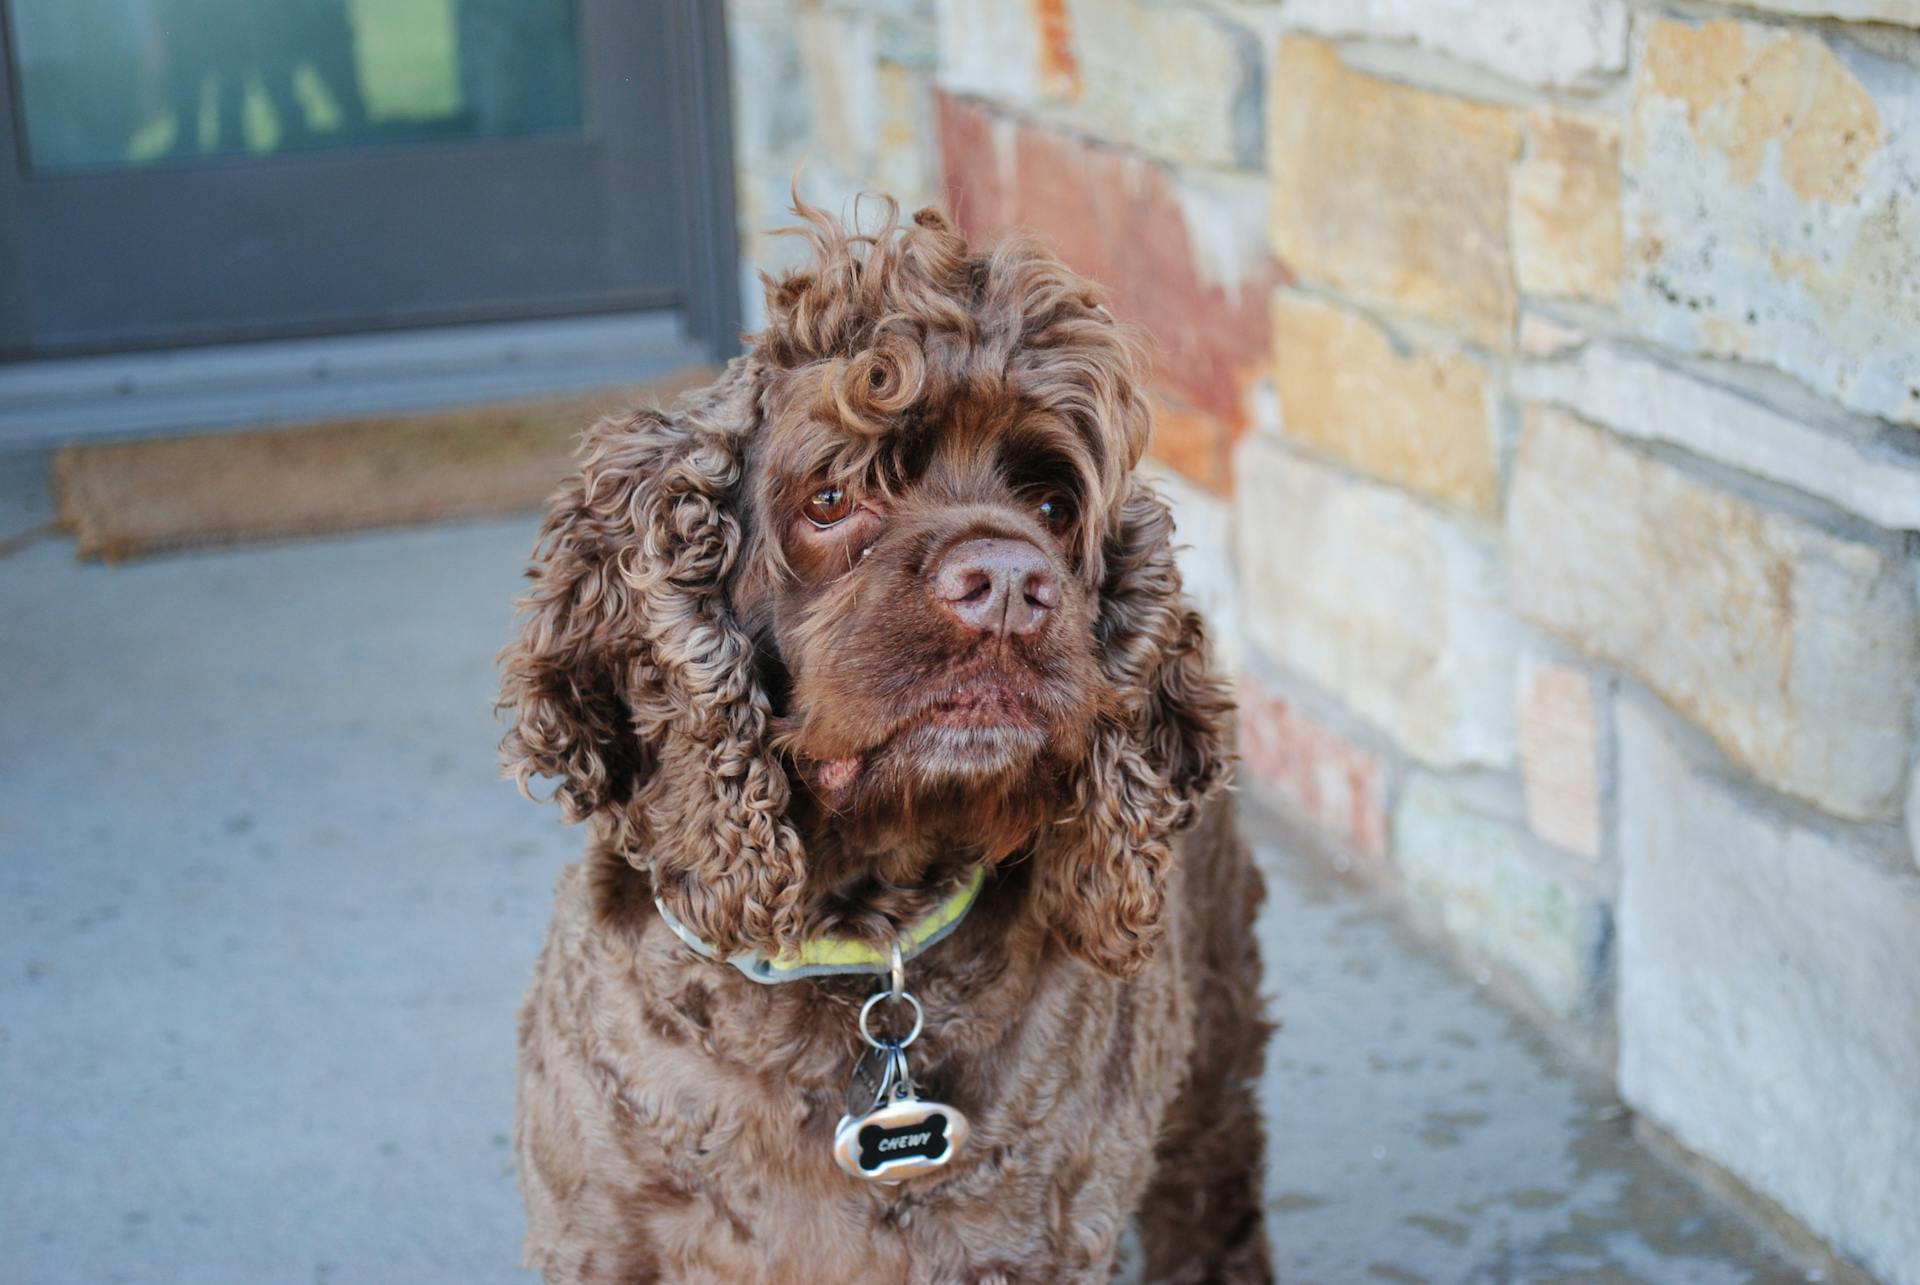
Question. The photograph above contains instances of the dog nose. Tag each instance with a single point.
(997, 587)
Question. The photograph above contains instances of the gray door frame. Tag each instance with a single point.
(699, 283)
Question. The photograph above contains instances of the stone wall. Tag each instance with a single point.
(1539, 387)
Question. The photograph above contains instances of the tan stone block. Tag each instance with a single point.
(1773, 211)
(1380, 601)
(1747, 89)
(1176, 82)
(1796, 649)
(904, 165)
(837, 60)
(1418, 418)
(1396, 196)
(1567, 234)
(1559, 726)
(871, 119)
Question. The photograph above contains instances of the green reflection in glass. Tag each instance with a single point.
(141, 82)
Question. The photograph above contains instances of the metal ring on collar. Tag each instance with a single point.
(919, 1017)
(897, 972)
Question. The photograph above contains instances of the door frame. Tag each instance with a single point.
(703, 87)
(699, 101)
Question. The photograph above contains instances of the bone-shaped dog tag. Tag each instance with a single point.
(903, 1139)
(903, 1135)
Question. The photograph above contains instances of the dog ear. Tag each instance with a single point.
(633, 684)
(1103, 877)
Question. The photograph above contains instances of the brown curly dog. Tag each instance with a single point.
(879, 616)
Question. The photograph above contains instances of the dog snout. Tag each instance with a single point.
(997, 586)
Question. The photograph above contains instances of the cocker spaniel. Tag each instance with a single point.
(913, 941)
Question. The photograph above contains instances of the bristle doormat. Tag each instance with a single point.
(121, 500)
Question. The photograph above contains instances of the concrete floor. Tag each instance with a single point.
(1421, 1132)
(266, 912)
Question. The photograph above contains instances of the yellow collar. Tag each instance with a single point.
(830, 956)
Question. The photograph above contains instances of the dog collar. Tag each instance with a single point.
(840, 956)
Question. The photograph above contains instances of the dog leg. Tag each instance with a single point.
(1201, 1220)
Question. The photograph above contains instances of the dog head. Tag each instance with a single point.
(888, 585)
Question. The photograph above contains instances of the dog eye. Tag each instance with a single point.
(828, 505)
(1055, 511)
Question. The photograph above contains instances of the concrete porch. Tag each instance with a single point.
(266, 912)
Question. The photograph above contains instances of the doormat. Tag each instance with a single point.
(124, 499)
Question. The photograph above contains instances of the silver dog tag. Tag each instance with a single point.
(900, 1135)
(871, 1083)
(889, 1132)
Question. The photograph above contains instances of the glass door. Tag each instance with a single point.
(195, 171)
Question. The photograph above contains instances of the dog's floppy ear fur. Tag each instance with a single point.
(1102, 876)
(633, 685)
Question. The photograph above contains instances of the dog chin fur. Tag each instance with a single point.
(971, 755)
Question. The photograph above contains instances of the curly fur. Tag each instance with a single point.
(740, 705)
